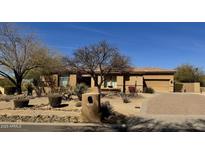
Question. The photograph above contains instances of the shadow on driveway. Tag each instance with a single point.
(139, 124)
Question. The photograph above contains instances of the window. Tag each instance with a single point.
(110, 82)
(64, 81)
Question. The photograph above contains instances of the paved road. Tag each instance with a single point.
(176, 104)
(38, 127)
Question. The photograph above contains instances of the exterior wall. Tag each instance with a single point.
(99, 80)
(120, 79)
(161, 83)
(139, 83)
(130, 81)
(92, 82)
(2, 90)
(158, 77)
(202, 89)
(191, 87)
(171, 84)
(73, 80)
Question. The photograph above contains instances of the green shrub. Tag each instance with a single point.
(29, 88)
(124, 97)
(80, 89)
(55, 100)
(148, 90)
(9, 90)
(21, 102)
(178, 87)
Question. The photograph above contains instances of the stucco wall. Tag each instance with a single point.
(139, 84)
(191, 87)
(130, 81)
(120, 82)
(73, 80)
(2, 90)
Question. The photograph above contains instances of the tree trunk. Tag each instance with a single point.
(18, 85)
(99, 91)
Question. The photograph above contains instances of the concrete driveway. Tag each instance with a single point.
(175, 104)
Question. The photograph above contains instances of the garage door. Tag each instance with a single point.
(158, 85)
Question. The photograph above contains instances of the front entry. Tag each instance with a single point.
(85, 79)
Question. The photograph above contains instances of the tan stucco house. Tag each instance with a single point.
(161, 80)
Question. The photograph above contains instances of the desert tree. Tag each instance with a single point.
(98, 59)
(51, 62)
(189, 73)
(19, 54)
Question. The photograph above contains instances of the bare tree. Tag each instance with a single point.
(17, 54)
(98, 60)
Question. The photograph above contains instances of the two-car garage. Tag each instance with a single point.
(160, 83)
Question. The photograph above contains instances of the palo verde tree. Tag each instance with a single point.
(19, 54)
(98, 60)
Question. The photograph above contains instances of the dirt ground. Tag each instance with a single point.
(41, 106)
(132, 108)
(170, 107)
(146, 112)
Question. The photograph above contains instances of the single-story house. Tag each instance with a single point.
(161, 80)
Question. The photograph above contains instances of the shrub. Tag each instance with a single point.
(178, 87)
(106, 110)
(78, 104)
(55, 100)
(66, 92)
(9, 90)
(148, 90)
(29, 88)
(80, 89)
(38, 87)
(124, 97)
(132, 89)
(21, 102)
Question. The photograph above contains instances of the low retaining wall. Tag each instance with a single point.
(202, 89)
(191, 87)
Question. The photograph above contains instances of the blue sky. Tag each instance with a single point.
(164, 45)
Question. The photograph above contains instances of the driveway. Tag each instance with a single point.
(175, 104)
